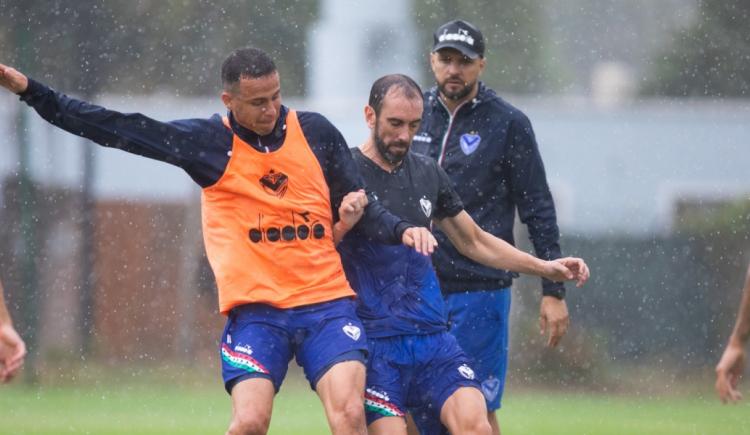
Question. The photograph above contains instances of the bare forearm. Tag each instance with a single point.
(484, 248)
(339, 231)
(741, 331)
(4, 315)
(499, 254)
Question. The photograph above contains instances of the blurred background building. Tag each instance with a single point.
(640, 108)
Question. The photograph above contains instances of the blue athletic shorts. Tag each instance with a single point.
(479, 321)
(414, 372)
(260, 340)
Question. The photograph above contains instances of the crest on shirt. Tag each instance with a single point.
(275, 183)
(470, 142)
(426, 206)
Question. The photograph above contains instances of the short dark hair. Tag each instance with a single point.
(248, 63)
(380, 89)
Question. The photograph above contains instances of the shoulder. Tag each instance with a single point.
(212, 127)
(357, 153)
(318, 130)
(431, 102)
(421, 161)
(215, 122)
(424, 165)
(492, 102)
(314, 120)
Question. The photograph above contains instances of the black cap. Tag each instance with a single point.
(460, 35)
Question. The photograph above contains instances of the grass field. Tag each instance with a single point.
(141, 408)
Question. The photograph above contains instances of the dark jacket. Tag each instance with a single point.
(489, 151)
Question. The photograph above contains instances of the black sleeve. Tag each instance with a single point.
(449, 204)
(532, 196)
(342, 175)
(180, 143)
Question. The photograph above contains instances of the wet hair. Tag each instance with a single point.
(383, 85)
(246, 63)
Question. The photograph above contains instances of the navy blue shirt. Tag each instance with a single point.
(201, 146)
(489, 151)
(397, 287)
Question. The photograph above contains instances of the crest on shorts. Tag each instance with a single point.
(470, 142)
(466, 371)
(426, 206)
(490, 388)
(352, 331)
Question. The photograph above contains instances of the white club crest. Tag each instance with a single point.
(466, 371)
(469, 142)
(352, 331)
(426, 206)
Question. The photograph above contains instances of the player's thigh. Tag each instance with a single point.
(252, 404)
(465, 412)
(342, 384)
(388, 426)
(341, 390)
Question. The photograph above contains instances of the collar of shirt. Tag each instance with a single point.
(484, 94)
(265, 144)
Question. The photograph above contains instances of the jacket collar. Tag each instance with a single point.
(484, 94)
(272, 141)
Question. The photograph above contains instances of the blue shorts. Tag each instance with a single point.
(260, 340)
(479, 321)
(414, 372)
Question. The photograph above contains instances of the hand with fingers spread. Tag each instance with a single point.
(12, 80)
(421, 239)
(553, 318)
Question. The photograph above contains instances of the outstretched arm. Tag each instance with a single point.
(12, 348)
(180, 143)
(732, 363)
(492, 251)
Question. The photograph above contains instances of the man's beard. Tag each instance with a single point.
(383, 148)
(456, 95)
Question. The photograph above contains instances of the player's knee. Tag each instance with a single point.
(249, 423)
(472, 424)
(480, 426)
(350, 415)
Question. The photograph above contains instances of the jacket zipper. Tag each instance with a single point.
(451, 117)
